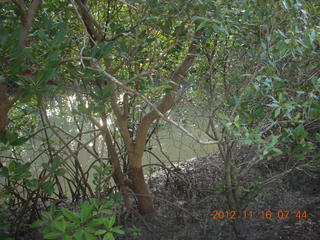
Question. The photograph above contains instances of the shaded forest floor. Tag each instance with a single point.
(186, 196)
(184, 201)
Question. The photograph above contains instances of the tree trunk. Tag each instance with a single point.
(228, 178)
(118, 174)
(139, 187)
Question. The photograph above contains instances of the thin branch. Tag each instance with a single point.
(82, 21)
(164, 117)
(282, 174)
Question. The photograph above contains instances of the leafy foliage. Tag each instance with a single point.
(94, 221)
(255, 77)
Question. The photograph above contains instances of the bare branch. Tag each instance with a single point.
(283, 174)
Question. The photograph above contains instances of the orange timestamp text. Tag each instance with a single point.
(263, 214)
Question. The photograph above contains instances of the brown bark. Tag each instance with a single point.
(119, 177)
(26, 16)
(141, 190)
(138, 184)
(228, 179)
(169, 99)
(136, 147)
(93, 28)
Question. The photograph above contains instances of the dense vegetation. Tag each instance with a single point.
(101, 77)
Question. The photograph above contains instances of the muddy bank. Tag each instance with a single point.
(186, 197)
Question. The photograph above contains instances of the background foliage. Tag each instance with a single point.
(249, 69)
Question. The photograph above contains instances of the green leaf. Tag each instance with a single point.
(106, 91)
(274, 140)
(117, 230)
(3, 138)
(52, 235)
(46, 166)
(79, 234)
(108, 236)
(272, 105)
(59, 225)
(112, 220)
(52, 210)
(318, 137)
(228, 124)
(203, 25)
(85, 211)
(277, 112)
(47, 216)
(223, 116)
(60, 34)
(98, 221)
(277, 151)
(94, 213)
(33, 183)
(299, 156)
(90, 229)
(167, 88)
(123, 48)
(67, 238)
(100, 232)
(108, 203)
(70, 215)
(19, 141)
(106, 211)
(107, 47)
(60, 172)
(12, 166)
(282, 98)
(89, 236)
(48, 187)
(95, 201)
(55, 163)
(299, 132)
(247, 141)
(63, 225)
(199, 19)
(11, 136)
(108, 223)
(116, 197)
(4, 172)
(38, 223)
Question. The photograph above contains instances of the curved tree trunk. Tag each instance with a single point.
(136, 145)
(139, 186)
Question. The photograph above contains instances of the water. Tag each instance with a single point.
(175, 145)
